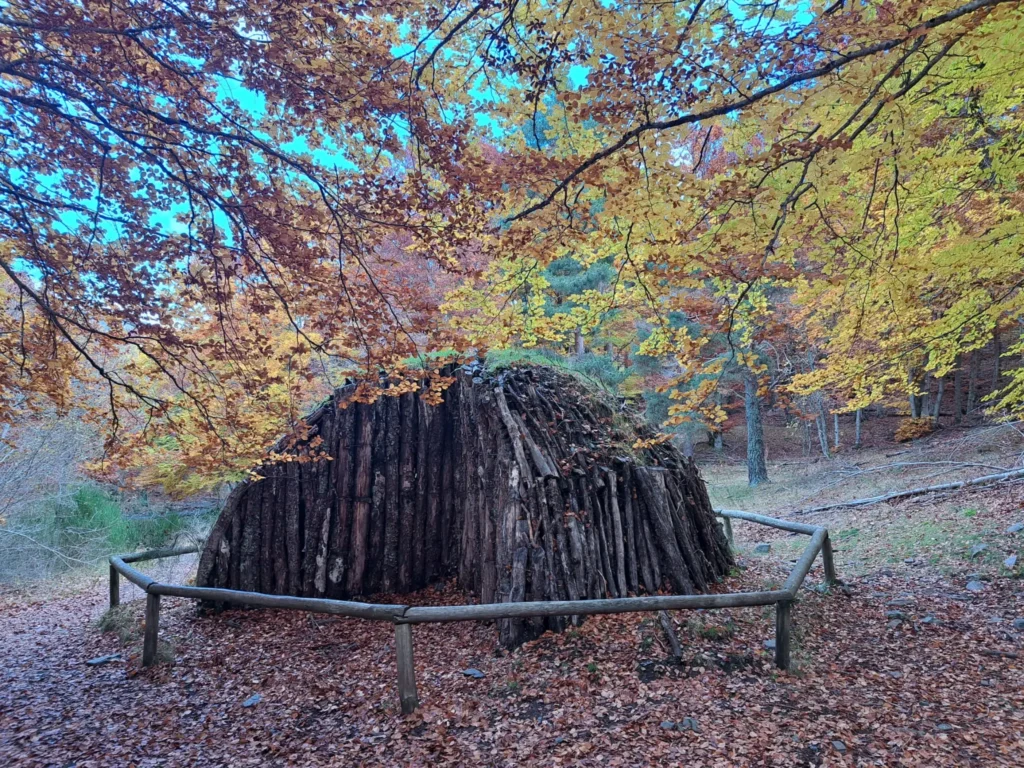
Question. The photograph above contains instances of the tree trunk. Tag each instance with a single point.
(757, 469)
(958, 392)
(821, 422)
(996, 359)
(937, 407)
(856, 428)
(580, 348)
(513, 485)
(915, 397)
(687, 440)
(972, 382)
(835, 430)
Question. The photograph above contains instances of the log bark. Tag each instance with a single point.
(523, 486)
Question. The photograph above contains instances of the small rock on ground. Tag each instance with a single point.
(975, 586)
(762, 549)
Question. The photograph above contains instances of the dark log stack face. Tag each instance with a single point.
(521, 484)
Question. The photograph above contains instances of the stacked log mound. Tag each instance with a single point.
(522, 484)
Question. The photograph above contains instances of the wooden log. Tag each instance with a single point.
(407, 694)
(249, 562)
(344, 477)
(208, 560)
(803, 565)
(293, 528)
(152, 629)
(514, 435)
(599, 522)
(670, 633)
(277, 488)
(434, 564)
(828, 562)
(268, 515)
(357, 610)
(392, 469)
(771, 522)
(407, 478)
(664, 531)
(384, 430)
(156, 554)
(646, 551)
(361, 510)
(490, 611)
(115, 587)
(631, 529)
(419, 533)
(618, 535)
(783, 631)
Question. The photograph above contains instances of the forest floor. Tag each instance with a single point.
(917, 661)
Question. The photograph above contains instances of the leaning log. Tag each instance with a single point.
(523, 485)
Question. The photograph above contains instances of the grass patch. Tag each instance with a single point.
(699, 627)
(81, 529)
(120, 620)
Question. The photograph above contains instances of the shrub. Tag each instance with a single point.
(912, 429)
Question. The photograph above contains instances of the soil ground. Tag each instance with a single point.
(906, 665)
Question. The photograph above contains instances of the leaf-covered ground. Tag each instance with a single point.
(909, 668)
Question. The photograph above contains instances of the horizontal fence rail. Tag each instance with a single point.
(404, 617)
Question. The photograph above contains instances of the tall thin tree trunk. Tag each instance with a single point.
(996, 367)
(822, 422)
(958, 392)
(822, 425)
(757, 469)
(972, 382)
(687, 440)
(835, 431)
(856, 428)
(581, 348)
(937, 408)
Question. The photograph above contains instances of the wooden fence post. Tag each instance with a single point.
(115, 587)
(149, 639)
(828, 562)
(783, 625)
(406, 668)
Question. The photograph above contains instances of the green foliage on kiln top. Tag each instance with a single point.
(595, 372)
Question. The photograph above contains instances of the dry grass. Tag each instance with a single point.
(945, 456)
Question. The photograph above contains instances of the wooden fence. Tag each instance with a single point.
(404, 617)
